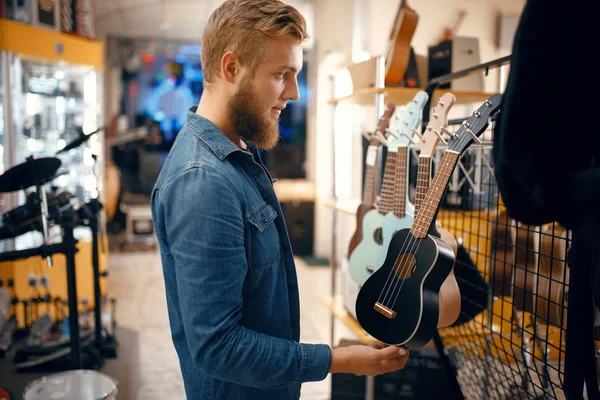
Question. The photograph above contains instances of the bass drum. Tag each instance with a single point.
(112, 189)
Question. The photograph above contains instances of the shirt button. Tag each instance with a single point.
(257, 174)
(264, 218)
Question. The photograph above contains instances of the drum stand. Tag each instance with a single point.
(59, 354)
(106, 344)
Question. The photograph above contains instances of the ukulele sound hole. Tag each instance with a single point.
(405, 266)
(378, 236)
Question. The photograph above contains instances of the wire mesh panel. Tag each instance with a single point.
(508, 342)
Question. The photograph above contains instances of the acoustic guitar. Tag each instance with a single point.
(399, 303)
(529, 265)
(365, 257)
(502, 255)
(403, 125)
(547, 297)
(370, 185)
(398, 54)
(450, 303)
(551, 304)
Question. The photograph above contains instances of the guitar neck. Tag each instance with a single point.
(399, 208)
(423, 180)
(370, 182)
(434, 195)
(388, 187)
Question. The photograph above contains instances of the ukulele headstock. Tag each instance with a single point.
(475, 125)
(405, 121)
(437, 126)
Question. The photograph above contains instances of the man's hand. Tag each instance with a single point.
(366, 360)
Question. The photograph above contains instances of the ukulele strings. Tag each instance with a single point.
(402, 281)
(464, 144)
(412, 245)
(396, 187)
(391, 273)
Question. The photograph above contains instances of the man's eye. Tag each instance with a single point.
(281, 74)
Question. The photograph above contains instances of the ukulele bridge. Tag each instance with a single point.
(383, 310)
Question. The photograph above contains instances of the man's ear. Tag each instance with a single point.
(231, 67)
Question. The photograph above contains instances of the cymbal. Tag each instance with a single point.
(79, 141)
(32, 172)
(59, 174)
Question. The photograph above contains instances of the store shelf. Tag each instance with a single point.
(402, 95)
(346, 206)
(38, 43)
(339, 311)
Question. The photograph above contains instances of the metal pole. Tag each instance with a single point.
(333, 199)
(69, 239)
(95, 209)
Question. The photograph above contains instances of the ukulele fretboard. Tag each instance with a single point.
(434, 195)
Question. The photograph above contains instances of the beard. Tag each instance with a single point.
(246, 112)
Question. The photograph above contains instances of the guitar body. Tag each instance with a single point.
(412, 296)
(362, 260)
(502, 248)
(551, 304)
(527, 250)
(398, 54)
(361, 211)
(391, 225)
(449, 292)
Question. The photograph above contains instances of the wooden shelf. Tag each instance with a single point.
(346, 206)
(402, 95)
(339, 311)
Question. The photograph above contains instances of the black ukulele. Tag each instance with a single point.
(399, 303)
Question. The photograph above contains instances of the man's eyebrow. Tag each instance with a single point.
(290, 68)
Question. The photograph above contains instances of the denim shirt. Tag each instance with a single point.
(232, 290)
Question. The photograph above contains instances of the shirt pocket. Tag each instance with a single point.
(263, 249)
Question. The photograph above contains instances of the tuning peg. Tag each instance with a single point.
(440, 102)
(409, 137)
(449, 133)
(381, 138)
(416, 132)
(470, 132)
(477, 113)
(440, 136)
(434, 115)
(393, 134)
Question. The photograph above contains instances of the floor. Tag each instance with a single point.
(136, 282)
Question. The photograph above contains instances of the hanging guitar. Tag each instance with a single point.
(450, 302)
(399, 303)
(404, 125)
(370, 185)
(363, 260)
(541, 271)
(398, 54)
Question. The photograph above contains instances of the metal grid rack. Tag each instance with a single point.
(509, 339)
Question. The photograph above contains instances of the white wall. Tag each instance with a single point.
(336, 24)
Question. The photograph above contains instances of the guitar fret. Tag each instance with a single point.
(430, 204)
(399, 203)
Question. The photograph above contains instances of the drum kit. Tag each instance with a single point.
(41, 209)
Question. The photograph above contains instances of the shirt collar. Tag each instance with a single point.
(210, 134)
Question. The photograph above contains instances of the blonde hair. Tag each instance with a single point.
(244, 27)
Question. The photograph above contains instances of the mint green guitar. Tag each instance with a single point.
(363, 261)
(402, 211)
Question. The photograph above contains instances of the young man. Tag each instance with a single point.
(232, 291)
